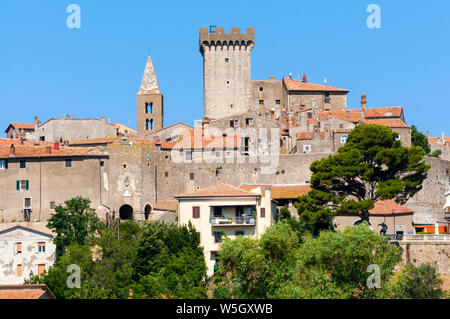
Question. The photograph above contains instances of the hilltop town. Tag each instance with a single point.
(231, 174)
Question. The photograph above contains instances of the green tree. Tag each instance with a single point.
(372, 165)
(419, 139)
(74, 223)
(418, 283)
(251, 268)
(170, 263)
(435, 153)
(334, 265)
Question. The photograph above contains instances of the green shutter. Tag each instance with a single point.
(18, 185)
(27, 184)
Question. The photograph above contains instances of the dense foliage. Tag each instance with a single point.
(419, 139)
(372, 165)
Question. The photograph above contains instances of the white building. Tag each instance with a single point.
(223, 210)
(22, 251)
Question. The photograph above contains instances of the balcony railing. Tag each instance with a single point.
(233, 221)
(421, 237)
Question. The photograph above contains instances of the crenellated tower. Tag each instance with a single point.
(150, 108)
(226, 70)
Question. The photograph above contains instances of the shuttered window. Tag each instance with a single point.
(41, 269)
(19, 270)
(18, 248)
(196, 212)
(263, 212)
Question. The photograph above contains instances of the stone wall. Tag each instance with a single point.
(436, 253)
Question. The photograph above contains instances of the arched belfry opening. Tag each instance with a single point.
(147, 211)
(126, 212)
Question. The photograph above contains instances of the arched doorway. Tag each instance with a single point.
(147, 211)
(126, 212)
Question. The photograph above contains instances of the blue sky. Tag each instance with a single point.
(47, 69)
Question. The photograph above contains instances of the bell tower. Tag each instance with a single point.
(150, 108)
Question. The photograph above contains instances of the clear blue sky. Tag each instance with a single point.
(47, 69)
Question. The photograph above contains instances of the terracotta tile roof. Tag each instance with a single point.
(108, 140)
(193, 139)
(393, 123)
(170, 205)
(387, 207)
(23, 151)
(383, 112)
(25, 126)
(24, 292)
(100, 140)
(438, 139)
(283, 191)
(219, 190)
(9, 141)
(294, 85)
(309, 136)
(354, 115)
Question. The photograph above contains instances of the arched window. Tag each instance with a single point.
(126, 212)
(149, 108)
(149, 124)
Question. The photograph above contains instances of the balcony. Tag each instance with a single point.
(233, 221)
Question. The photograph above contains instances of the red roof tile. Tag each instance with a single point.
(387, 207)
(219, 190)
(309, 136)
(25, 126)
(283, 191)
(294, 85)
(193, 139)
(24, 292)
(23, 151)
(393, 123)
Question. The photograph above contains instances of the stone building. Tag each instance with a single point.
(20, 130)
(24, 250)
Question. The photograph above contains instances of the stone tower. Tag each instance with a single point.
(150, 108)
(226, 71)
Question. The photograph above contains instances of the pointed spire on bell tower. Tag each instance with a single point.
(149, 84)
(150, 108)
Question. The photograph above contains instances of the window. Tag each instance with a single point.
(213, 255)
(398, 138)
(277, 102)
(236, 122)
(149, 108)
(27, 202)
(231, 123)
(41, 247)
(22, 185)
(102, 163)
(23, 164)
(196, 212)
(42, 138)
(239, 233)
(261, 89)
(188, 155)
(310, 115)
(166, 174)
(306, 148)
(248, 121)
(27, 215)
(68, 162)
(18, 248)
(3, 164)
(217, 236)
(343, 139)
(19, 270)
(327, 97)
(227, 60)
(149, 124)
(341, 125)
(217, 211)
(261, 102)
(52, 205)
(263, 212)
(41, 269)
(191, 176)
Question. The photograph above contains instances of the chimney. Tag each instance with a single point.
(56, 146)
(103, 119)
(363, 105)
(428, 134)
(48, 149)
(36, 122)
(443, 137)
(272, 78)
(304, 77)
(290, 75)
(12, 150)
